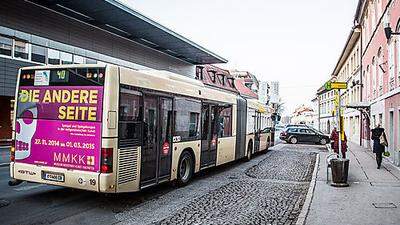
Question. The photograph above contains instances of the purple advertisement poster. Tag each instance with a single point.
(59, 126)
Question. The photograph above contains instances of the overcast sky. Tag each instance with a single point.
(296, 42)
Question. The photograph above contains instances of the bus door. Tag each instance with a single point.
(157, 145)
(209, 137)
(257, 126)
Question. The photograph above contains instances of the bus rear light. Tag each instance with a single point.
(106, 160)
(12, 151)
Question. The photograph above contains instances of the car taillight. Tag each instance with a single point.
(106, 160)
(12, 151)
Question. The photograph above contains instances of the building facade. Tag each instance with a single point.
(347, 70)
(42, 32)
(264, 92)
(381, 74)
(303, 115)
(327, 119)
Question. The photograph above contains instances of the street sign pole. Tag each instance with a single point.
(339, 123)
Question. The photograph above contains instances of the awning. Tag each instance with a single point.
(119, 19)
(358, 105)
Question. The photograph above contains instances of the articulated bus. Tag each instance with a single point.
(111, 129)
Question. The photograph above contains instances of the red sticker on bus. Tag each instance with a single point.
(165, 148)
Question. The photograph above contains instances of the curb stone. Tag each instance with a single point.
(307, 203)
(4, 164)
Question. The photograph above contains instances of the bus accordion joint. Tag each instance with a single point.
(106, 160)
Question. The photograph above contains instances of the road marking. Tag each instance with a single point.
(27, 188)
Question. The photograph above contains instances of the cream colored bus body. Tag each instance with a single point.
(152, 80)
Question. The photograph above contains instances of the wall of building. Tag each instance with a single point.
(51, 29)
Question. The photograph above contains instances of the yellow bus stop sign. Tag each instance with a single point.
(335, 85)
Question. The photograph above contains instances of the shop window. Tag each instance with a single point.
(38, 54)
(66, 58)
(5, 46)
(53, 57)
(21, 49)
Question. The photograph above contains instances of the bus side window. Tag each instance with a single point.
(130, 118)
(225, 122)
(187, 118)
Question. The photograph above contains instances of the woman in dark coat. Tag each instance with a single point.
(378, 148)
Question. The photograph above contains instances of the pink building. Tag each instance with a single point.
(381, 69)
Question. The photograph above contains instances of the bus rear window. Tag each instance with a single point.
(63, 77)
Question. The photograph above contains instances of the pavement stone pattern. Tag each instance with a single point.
(244, 202)
(269, 192)
(285, 165)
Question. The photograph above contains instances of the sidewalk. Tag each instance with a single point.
(372, 198)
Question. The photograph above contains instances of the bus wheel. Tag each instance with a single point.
(185, 168)
(249, 148)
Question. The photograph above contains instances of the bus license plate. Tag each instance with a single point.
(58, 177)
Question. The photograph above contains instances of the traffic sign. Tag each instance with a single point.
(335, 85)
(339, 85)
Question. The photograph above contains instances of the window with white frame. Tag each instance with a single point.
(398, 53)
(373, 76)
(6, 46)
(391, 52)
(378, 8)
(21, 49)
(53, 57)
(66, 58)
(373, 14)
(380, 71)
(79, 59)
(38, 54)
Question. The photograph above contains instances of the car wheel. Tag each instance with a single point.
(323, 141)
(185, 168)
(293, 140)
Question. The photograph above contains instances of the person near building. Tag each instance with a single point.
(344, 145)
(335, 143)
(335, 140)
(378, 137)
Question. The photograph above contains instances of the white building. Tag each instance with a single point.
(274, 97)
(264, 92)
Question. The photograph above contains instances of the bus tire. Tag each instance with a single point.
(249, 149)
(185, 168)
(267, 147)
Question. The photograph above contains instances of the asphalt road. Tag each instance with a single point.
(31, 203)
(4, 155)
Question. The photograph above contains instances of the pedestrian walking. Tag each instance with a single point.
(379, 138)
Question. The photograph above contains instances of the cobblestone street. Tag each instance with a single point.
(270, 189)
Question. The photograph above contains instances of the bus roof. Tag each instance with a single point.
(67, 66)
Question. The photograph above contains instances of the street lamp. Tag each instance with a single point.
(389, 32)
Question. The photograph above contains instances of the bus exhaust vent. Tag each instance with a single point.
(127, 165)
